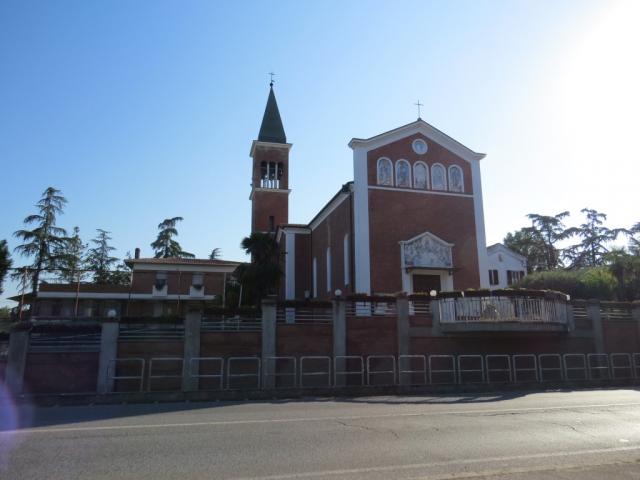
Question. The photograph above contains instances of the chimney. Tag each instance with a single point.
(137, 253)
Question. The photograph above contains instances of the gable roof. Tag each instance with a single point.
(500, 247)
(419, 126)
(271, 129)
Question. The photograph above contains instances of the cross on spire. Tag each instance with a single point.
(272, 75)
(419, 105)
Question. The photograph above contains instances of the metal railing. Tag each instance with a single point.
(372, 307)
(242, 373)
(199, 361)
(271, 368)
(112, 370)
(233, 323)
(376, 373)
(342, 371)
(411, 371)
(315, 373)
(253, 362)
(304, 315)
(501, 309)
(164, 376)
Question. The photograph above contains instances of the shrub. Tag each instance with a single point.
(585, 283)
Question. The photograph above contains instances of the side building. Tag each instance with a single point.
(158, 287)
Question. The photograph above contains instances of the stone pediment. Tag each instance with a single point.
(426, 251)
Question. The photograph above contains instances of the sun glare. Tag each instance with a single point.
(598, 97)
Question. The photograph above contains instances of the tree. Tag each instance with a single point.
(591, 251)
(625, 267)
(262, 276)
(634, 239)
(165, 246)
(46, 237)
(528, 245)
(99, 257)
(5, 261)
(215, 254)
(70, 258)
(548, 231)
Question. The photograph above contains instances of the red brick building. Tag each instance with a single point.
(411, 220)
(158, 287)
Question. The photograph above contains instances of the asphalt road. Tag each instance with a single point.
(567, 435)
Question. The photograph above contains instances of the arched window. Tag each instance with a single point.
(315, 277)
(438, 177)
(385, 172)
(270, 174)
(403, 174)
(347, 266)
(328, 269)
(420, 176)
(456, 180)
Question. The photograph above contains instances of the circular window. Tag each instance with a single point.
(419, 146)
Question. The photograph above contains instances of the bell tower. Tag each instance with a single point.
(270, 178)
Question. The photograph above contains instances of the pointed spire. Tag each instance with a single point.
(271, 129)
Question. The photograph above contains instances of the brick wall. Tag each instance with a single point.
(298, 340)
(73, 372)
(330, 233)
(395, 216)
(147, 350)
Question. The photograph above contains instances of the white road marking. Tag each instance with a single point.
(309, 419)
(412, 466)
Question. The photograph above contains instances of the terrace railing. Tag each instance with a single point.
(502, 309)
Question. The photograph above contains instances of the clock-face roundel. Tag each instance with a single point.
(419, 146)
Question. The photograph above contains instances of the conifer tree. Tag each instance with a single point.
(45, 238)
(165, 246)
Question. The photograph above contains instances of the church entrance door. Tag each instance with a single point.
(423, 283)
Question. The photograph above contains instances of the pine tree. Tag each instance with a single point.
(42, 241)
(5, 261)
(165, 246)
(591, 251)
(547, 231)
(528, 245)
(70, 258)
(99, 257)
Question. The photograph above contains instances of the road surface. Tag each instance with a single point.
(568, 435)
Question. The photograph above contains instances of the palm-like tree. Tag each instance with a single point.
(42, 241)
(262, 276)
(215, 254)
(165, 246)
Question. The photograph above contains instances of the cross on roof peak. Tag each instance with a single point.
(418, 104)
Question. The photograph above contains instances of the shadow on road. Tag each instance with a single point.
(16, 417)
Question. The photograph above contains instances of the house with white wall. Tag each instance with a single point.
(506, 267)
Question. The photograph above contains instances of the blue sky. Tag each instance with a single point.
(139, 111)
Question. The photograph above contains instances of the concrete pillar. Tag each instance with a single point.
(268, 341)
(571, 323)
(402, 308)
(593, 311)
(17, 360)
(635, 312)
(108, 353)
(436, 331)
(339, 331)
(192, 323)
(403, 325)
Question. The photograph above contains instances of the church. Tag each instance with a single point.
(411, 220)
